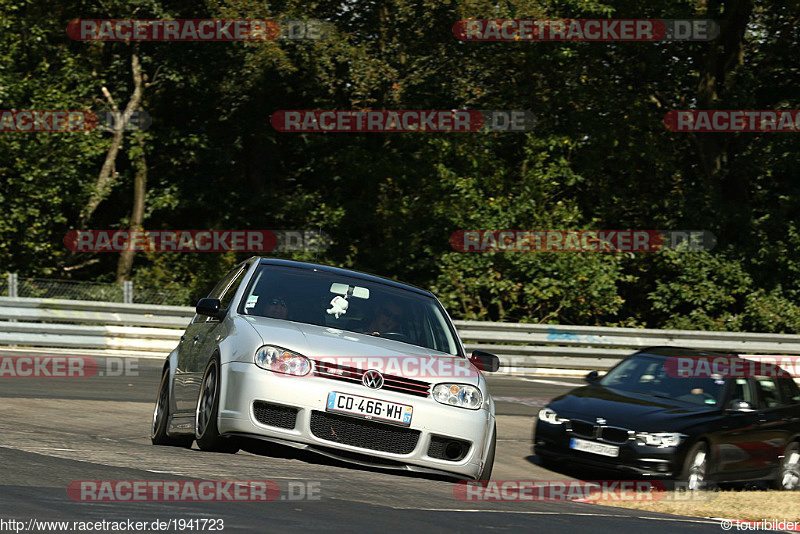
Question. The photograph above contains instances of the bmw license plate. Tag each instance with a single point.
(368, 408)
(593, 447)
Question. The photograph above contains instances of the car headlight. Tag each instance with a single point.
(282, 361)
(460, 395)
(548, 415)
(660, 439)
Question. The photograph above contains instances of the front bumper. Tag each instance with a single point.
(244, 384)
(552, 442)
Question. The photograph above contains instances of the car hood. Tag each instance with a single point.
(363, 351)
(629, 410)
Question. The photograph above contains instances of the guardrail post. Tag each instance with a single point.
(127, 292)
(12, 285)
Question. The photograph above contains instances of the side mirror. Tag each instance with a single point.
(485, 361)
(208, 307)
(740, 406)
(592, 377)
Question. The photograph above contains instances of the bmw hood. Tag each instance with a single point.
(627, 409)
(342, 348)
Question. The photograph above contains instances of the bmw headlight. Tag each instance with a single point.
(460, 395)
(660, 439)
(282, 361)
(548, 415)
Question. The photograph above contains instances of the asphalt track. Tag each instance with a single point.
(54, 431)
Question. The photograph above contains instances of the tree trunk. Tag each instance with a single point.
(125, 263)
(107, 177)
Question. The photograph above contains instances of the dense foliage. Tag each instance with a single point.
(599, 158)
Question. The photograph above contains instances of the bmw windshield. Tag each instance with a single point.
(647, 375)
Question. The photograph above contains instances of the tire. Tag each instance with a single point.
(695, 467)
(158, 429)
(788, 476)
(205, 421)
(486, 472)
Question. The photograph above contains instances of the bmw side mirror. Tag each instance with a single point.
(592, 377)
(740, 406)
(208, 307)
(485, 361)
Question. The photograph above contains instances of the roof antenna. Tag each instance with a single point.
(319, 239)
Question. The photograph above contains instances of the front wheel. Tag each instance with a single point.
(788, 477)
(158, 431)
(695, 467)
(206, 431)
(486, 472)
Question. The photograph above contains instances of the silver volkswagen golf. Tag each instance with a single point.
(347, 364)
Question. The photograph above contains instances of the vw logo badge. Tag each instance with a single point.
(372, 379)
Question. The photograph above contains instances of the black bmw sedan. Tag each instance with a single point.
(644, 418)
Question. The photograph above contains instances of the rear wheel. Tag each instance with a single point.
(486, 472)
(695, 467)
(788, 477)
(158, 432)
(206, 431)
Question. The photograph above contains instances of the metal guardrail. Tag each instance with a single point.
(143, 329)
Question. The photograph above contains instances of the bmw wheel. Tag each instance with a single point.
(789, 471)
(695, 467)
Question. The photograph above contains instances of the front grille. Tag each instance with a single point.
(610, 434)
(363, 434)
(353, 375)
(582, 428)
(614, 434)
(274, 414)
(439, 448)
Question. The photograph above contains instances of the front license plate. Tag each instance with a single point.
(369, 408)
(593, 447)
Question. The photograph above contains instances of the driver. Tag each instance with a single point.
(276, 308)
(387, 318)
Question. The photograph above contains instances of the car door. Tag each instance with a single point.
(777, 417)
(741, 442)
(197, 344)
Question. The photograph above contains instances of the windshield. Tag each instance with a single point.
(647, 375)
(345, 303)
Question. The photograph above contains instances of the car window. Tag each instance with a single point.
(767, 392)
(743, 391)
(788, 391)
(228, 293)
